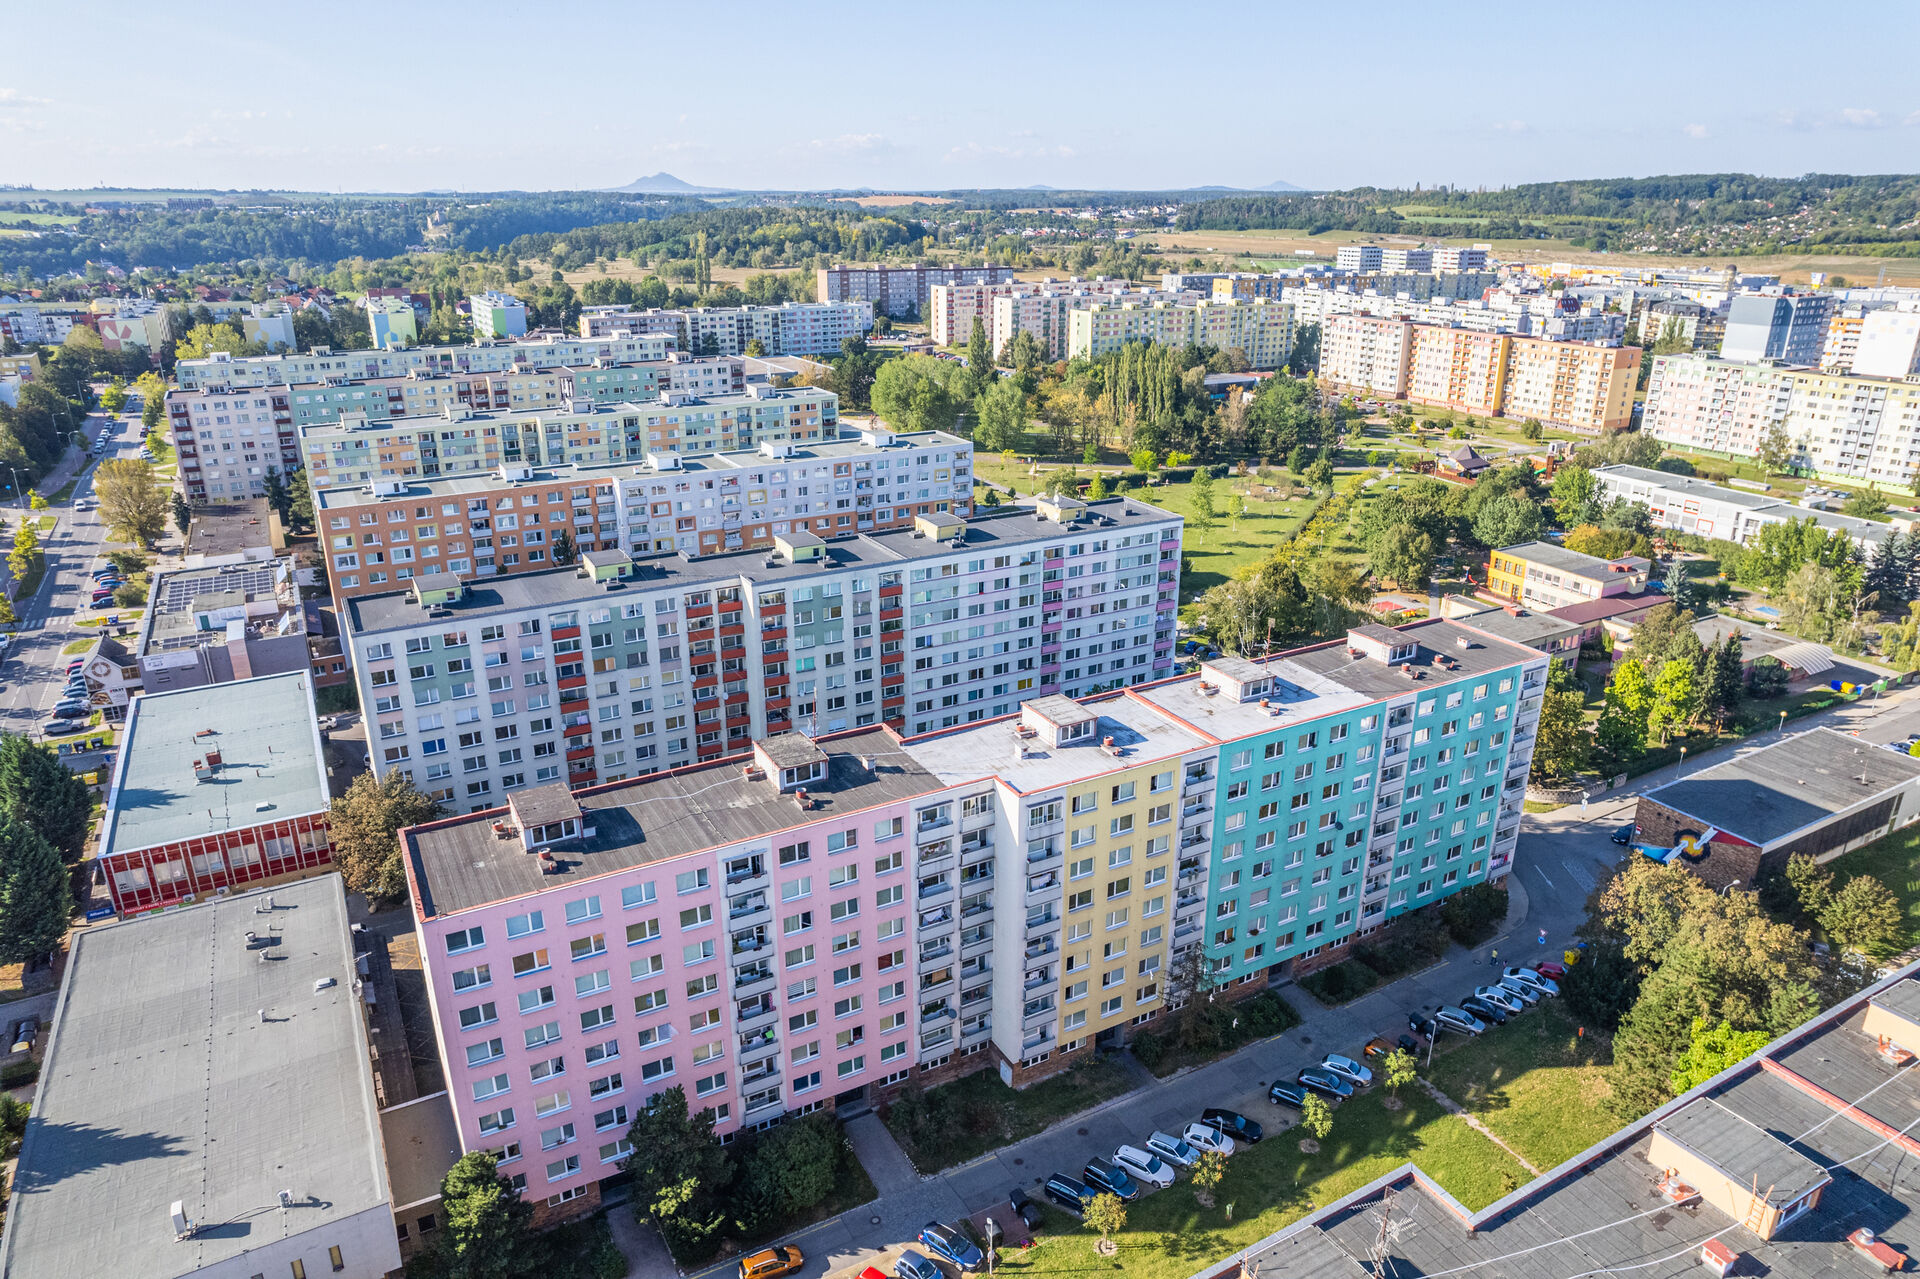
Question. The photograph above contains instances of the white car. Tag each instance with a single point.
(1501, 997)
(1539, 981)
(1348, 1069)
(1521, 989)
(1172, 1149)
(1207, 1137)
(1144, 1166)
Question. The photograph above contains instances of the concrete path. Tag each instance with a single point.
(645, 1251)
(881, 1156)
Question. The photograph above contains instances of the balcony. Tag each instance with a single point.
(937, 1016)
(755, 1015)
(750, 942)
(976, 1034)
(939, 950)
(748, 980)
(1041, 948)
(747, 911)
(979, 944)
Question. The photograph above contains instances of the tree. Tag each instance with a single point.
(1090, 455)
(1000, 416)
(302, 508)
(182, 513)
(8, 617)
(1208, 1171)
(1720, 698)
(114, 398)
(1710, 1050)
(756, 348)
(279, 496)
(1622, 730)
(1404, 556)
(1863, 916)
(1299, 458)
(1098, 488)
(37, 789)
(1562, 743)
(1203, 512)
(365, 823)
(26, 548)
(35, 502)
(1576, 497)
(1676, 698)
(1508, 520)
(1657, 636)
(1236, 507)
(979, 356)
(564, 550)
(1532, 430)
(1398, 1070)
(1320, 474)
(35, 898)
(787, 1172)
(917, 394)
(486, 1220)
(679, 1171)
(993, 497)
(1869, 504)
(1106, 1214)
(1316, 1116)
(1775, 454)
(132, 500)
(1145, 461)
(152, 390)
(1607, 543)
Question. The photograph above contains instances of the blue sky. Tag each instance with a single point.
(484, 96)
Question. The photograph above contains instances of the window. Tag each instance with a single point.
(521, 925)
(465, 939)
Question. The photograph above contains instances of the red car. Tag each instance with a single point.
(1551, 968)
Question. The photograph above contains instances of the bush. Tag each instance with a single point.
(1148, 1049)
(1474, 914)
(1267, 1014)
(19, 1073)
(1340, 982)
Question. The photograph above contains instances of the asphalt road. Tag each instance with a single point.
(33, 670)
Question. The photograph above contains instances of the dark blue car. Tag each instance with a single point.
(950, 1245)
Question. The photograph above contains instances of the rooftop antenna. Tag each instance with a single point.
(1382, 1263)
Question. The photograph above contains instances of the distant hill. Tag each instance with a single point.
(664, 183)
(1281, 186)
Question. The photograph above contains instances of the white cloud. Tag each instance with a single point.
(1862, 118)
(853, 144)
(1510, 126)
(980, 151)
(15, 98)
(1695, 130)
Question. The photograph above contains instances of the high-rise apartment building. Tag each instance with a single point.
(323, 364)
(1774, 325)
(897, 290)
(1392, 259)
(821, 918)
(1263, 329)
(1889, 343)
(1459, 259)
(381, 536)
(1841, 426)
(790, 328)
(928, 627)
(1359, 257)
(1582, 385)
(497, 315)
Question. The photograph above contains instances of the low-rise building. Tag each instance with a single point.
(1817, 794)
(1690, 505)
(218, 786)
(206, 1107)
(230, 621)
(270, 324)
(1551, 634)
(1542, 575)
(231, 533)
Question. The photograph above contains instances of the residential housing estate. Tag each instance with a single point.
(897, 290)
(830, 916)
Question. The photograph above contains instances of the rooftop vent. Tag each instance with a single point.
(182, 1228)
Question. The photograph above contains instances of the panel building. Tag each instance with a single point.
(1692, 505)
(615, 669)
(206, 1106)
(897, 290)
(1774, 325)
(817, 920)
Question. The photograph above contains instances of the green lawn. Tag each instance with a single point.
(1231, 546)
(1169, 1236)
(1895, 862)
(1532, 1082)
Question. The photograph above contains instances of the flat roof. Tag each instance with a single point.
(1526, 626)
(1566, 561)
(1689, 486)
(996, 528)
(1588, 612)
(1029, 765)
(1742, 1150)
(460, 863)
(1902, 998)
(422, 1141)
(162, 1083)
(229, 529)
(271, 764)
(1768, 794)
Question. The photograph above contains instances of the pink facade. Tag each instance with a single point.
(761, 976)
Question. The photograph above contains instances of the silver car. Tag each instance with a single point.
(1452, 1018)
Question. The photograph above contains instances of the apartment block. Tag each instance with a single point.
(357, 449)
(497, 315)
(1044, 312)
(383, 535)
(1247, 285)
(954, 307)
(1263, 329)
(1776, 325)
(967, 617)
(1006, 895)
(1544, 576)
(1733, 515)
(1842, 426)
(1472, 259)
(1582, 385)
(214, 428)
(1359, 257)
(1889, 343)
(323, 364)
(392, 322)
(897, 290)
(1392, 259)
(217, 786)
(791, 328)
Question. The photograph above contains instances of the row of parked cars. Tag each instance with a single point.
(1154, 1163)
(1517, 990)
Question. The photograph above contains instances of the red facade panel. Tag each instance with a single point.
(150, 878)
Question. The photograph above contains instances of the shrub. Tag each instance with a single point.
(1148, 1049)
(1473, 914)
(19, 1073)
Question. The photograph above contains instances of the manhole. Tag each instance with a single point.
(1082, 1131)
(1018, 1162)
(874, 1220)
(1305, 1040)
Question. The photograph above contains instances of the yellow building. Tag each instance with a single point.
(1544, 576)
(1458, 368)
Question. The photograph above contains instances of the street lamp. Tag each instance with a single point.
(18, 497)
(1683, 762)
(1783, 721)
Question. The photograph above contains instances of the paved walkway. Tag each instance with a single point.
(881, 1156)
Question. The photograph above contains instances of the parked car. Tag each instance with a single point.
(1407, 1043)
(913, 1265)
(1623, 834)
(1326, 1083)
(24, 1033)
(73, 709)
(1502, 997)
(771, 1262)
(1232, 1123)
(1534, 978)
(1103, 1174)
(1485, 1011)
(1420, 1023)
(60, 726)
(1375, 1048)
(1026, 1209)
(1144, 1166)
(1551, 968)
(949, 1244)
(1068, 1192)
(1206, 1137)
(1459, 1019)
(1521, 990)
(1348, 1069)
(1285, 1094)
(873, 1272)
(1172, 1149)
